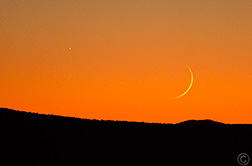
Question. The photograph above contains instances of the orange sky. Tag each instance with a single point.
(128, 58)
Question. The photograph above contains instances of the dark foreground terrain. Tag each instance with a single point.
(36, 139)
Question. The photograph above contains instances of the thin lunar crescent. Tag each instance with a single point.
(188, 87)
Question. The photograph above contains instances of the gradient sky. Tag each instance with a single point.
(128, 58)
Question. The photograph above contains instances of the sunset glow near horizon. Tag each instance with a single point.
(125, 60)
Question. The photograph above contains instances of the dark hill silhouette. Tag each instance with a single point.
(201, 122)
(38, 139)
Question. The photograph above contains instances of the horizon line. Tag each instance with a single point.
(126, 120)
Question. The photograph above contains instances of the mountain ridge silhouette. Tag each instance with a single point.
(191, 121)
(39, 139)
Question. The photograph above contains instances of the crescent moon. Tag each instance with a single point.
(189, 85)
